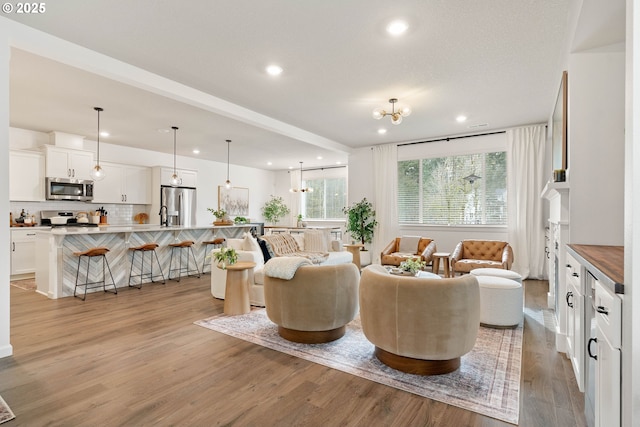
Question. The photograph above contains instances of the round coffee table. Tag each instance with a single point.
(236, 295)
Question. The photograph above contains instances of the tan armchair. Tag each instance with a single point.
(472, 254)
(391, 255)
(419, 325)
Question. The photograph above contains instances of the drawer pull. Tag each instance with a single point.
(568, 266)
(603, 310)
(569, 295)
(591, 355)
(575, 275)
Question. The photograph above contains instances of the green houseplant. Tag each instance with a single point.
(275, 209)
(412, 265)
(225, 256)
(361, 220)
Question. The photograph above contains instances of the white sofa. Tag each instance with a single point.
(248, 251)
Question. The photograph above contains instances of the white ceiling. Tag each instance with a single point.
(498, 62)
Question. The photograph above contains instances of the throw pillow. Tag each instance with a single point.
(249, 243)
(315, 241)
(409, 244)
(299, 238)
(264, 248)
(283, 244)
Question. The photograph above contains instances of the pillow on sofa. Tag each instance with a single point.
(249, 243)
(283, 244)
(316, 241)
(409, 244)
(265, 248)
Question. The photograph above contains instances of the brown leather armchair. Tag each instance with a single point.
(471, 254)
(390, 255)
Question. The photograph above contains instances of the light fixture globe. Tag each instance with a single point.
(97, 173)
(396, 116)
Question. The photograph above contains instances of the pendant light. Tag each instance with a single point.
(174, 178)
(97, 173)
(227, 183)
(301, 189)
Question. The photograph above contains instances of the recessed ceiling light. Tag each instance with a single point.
(382, 131)
(338, 162)
(196, 151)
(274, 70)
(103, 133)
(397, 28)
(269, 163)
(290, 167)
(319, 158)
(461, 119)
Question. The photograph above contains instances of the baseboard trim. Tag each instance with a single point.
(6, 351)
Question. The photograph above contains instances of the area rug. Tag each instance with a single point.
(488, 381)
(26, 284)
(5, 412)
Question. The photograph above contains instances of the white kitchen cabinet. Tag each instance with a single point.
(26, 176)
(68, 163)
(23, 246)
(123, 184)
(575, 300)
(188, 178)
(608, 374)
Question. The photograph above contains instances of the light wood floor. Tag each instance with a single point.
(136, 359)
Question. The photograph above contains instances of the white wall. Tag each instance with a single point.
(596, 148)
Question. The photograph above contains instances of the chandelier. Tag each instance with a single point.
(396, 116)
(301, 189)
(97, 173)
(175, 179)
(227, 183)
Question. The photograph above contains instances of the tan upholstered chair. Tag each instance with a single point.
(391, 255)
(471, 254)
(419, 325)
(316, 304)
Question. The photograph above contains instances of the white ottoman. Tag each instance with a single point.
(501, 303)
(497, 272)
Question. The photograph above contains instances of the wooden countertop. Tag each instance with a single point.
(609, 260)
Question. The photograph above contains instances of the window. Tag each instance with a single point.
(455, 190)
(326, 201)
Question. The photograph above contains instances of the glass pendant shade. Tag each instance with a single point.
(396, 119)
(175, 180)
(405, 111)
(378, 113)
(97, 173)
(396, 116)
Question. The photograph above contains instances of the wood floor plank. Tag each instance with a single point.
(136, 358)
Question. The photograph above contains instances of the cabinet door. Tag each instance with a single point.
(109, 190)
(81, 163)
(608, 383)
(26, 176)
(23, 246)
(188, 178)
(57, 163)
(577, 358)
(137, 185)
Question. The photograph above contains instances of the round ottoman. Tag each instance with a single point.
(497, 272)
(501, 303)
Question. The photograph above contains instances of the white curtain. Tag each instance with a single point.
(526, 178)
(385, 172)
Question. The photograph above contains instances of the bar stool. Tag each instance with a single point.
(93, 253)
(216, 244)
(181, 247)
(142, 249)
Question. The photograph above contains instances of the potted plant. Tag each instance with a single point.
(412, 265)
(361, 220)
(240, 220)
(275, 209)
(225, 256)
(220, 215)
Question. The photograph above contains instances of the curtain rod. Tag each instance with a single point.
(452, 138)
(320, 168)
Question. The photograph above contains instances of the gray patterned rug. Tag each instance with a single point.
(488, 381)
(5, 412)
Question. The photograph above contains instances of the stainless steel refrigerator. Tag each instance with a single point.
(180, 205)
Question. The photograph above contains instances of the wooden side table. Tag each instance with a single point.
(236, 295)
(436, 262)
(355, 251)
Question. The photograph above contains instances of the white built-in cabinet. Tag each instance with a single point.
(68, 163)
(26, 176)
(575, 305)
(23, 246)
(123, 184)
(187, 178)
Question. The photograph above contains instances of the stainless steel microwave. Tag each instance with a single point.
(69, 189)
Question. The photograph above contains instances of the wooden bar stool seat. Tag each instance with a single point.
(142, 249)
(181, 247)
(89, 254)
(217, 243)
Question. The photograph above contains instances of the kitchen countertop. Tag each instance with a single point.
(606, 260)
(133, 228)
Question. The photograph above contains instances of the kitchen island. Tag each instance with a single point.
(56, 264)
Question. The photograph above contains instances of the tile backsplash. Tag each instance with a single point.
(118, 214)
